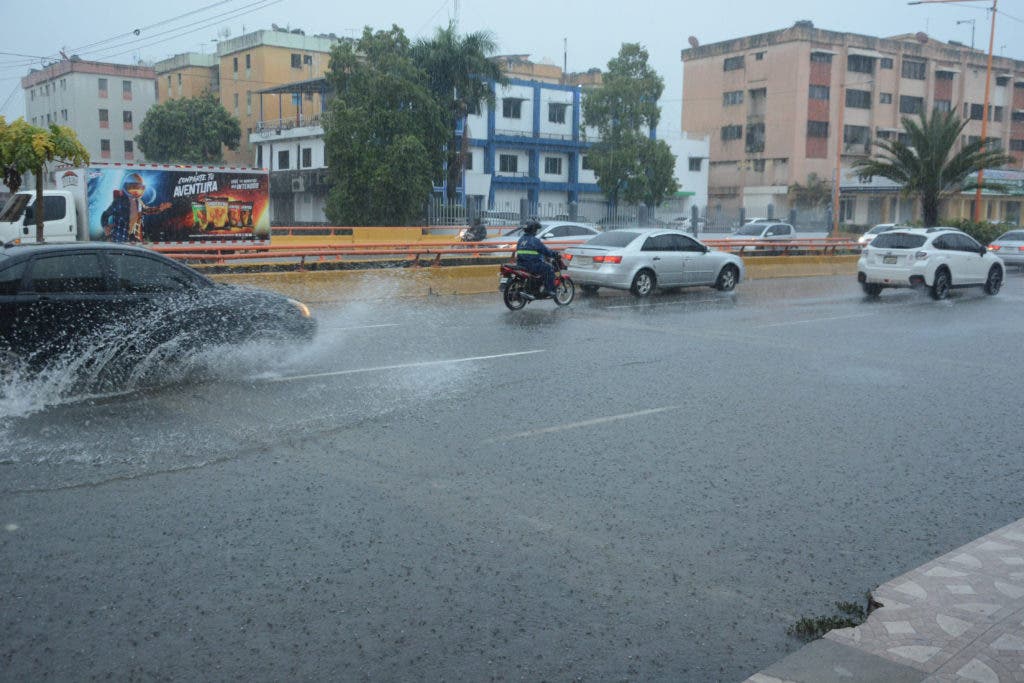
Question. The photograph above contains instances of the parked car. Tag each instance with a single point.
(937, 258)
(1010, 247)
(641, 260)
(71, 297)
(768, 230)
(874, 232)
(549, 231)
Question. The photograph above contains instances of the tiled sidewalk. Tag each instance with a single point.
(957, 618)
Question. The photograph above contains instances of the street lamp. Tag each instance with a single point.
(984, 110)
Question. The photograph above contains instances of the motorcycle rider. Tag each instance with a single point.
(530, 253)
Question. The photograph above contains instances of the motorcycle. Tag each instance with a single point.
(518, 287)
(473, 233)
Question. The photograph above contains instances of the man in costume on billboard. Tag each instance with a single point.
(123, 219)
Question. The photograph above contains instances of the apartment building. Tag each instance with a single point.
(772, 104)
(189, 74)
(103, 103)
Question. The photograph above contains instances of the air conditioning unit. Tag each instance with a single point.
(298, 184)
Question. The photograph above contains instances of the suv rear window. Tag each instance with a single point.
(898, 240)
(613, 238)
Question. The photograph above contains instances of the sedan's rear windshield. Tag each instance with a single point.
(613, 238)
(1012, 236)
(898, 240)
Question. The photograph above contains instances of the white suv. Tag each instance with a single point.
(936, 258)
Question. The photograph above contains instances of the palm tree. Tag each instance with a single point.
(460, 73)
(816, 192)
(926, 165)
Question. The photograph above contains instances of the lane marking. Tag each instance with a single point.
(362, 327)
(815, 320)
(401, 366)
(584, 423)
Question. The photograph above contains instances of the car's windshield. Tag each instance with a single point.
(14, 207)
(753, 229)
(1012, 236)
(514, 233)
(898, 240)
(614, 238)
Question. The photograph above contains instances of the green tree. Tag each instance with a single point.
(628, 163)
(25, 148)
(190, 130)
(384, 133)
(926, 165)
(459, 74)
(816, 192)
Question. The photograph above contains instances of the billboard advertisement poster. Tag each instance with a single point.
(140, 204)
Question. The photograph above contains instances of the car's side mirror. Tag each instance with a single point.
(982, 251)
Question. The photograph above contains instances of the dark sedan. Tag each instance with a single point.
(98, 299)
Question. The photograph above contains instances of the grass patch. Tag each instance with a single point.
(847, 614)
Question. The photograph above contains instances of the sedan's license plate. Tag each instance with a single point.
(582, 261)
(888, 259)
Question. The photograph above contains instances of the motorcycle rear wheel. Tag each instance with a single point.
(511, 295)
(565, 292)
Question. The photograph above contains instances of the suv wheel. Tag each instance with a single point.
(940, 287)
(994, 281)
(872, 289)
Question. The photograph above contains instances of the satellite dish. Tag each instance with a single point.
(693, 41)
(921, 36)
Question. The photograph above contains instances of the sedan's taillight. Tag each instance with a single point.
(607, 259)
(921, 255)
(566, 257)
(994, 247)
(1020, 248)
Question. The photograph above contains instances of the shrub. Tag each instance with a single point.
(983, 231)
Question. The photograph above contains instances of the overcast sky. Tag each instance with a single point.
(594, 30)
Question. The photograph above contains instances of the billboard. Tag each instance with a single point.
(175, 204)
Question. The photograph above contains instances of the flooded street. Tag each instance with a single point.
(441, 489)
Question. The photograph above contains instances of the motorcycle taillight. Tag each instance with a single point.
(506, 270)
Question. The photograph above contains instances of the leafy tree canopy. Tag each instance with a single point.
(384, 134)
(188, 130)
(25, 148)
(814, 193)
(629, 164)
(927, 166)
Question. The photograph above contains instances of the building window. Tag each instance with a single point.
(695, 164)
(63, 84)
(1017, 145)
(758, 165)
(1002, 80)
(512, 107)
(585, 164)
(758, 56)
(259, 156)
(248, 62)
(102, 87)
(943, 75)
(858, 99)
(556, 112)
(104, 118)
(307, 60)
(248, 103)
(857, 136)
(943, 105)
(473, 108)
(105, 149)
(126, 90)
(467, 161)
(63, 114)
(126, 118)
(976, 112)
(307, 157)
(508, 163)
(733, 97)
(553, 165)
(885, 62)
(755, 137)
(911, 105)
(914, 69)
(817, 129)
(818, 92)
(732, 133)
(234, 65)
(997, 114)
(283, 162)
(860, 64)
(129, 150)
(733, 63)
(822, 57)
(1017, 116)
(885, 98)
(296, 61)
(236, 102)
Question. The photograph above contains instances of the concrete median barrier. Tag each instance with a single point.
(348, 285)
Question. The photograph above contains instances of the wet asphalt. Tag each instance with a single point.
(441, 489)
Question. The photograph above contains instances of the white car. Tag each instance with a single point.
(865, 239)
(550, 231)
(763, 229)
(937, 258)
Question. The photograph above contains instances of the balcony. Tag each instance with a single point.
(278, 125)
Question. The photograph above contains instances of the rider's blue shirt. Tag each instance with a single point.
(530, 248)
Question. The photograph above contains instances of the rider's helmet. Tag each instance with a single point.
(531, 227)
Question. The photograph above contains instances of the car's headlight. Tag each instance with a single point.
(303, 308)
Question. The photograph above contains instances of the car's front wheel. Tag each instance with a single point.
(941, 285)
(644, 283)
(994, 281)
(727, 279)
(871, 289)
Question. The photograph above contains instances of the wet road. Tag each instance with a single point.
(444, 490)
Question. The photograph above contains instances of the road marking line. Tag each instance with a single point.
(360, 327)
(401, 366)
(815, 320)
(584, 423)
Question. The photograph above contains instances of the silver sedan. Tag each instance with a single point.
(642, 260)
(1010, 248)
(550, 231)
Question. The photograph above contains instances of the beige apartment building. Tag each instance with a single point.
(241, 68)
(772, 104)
